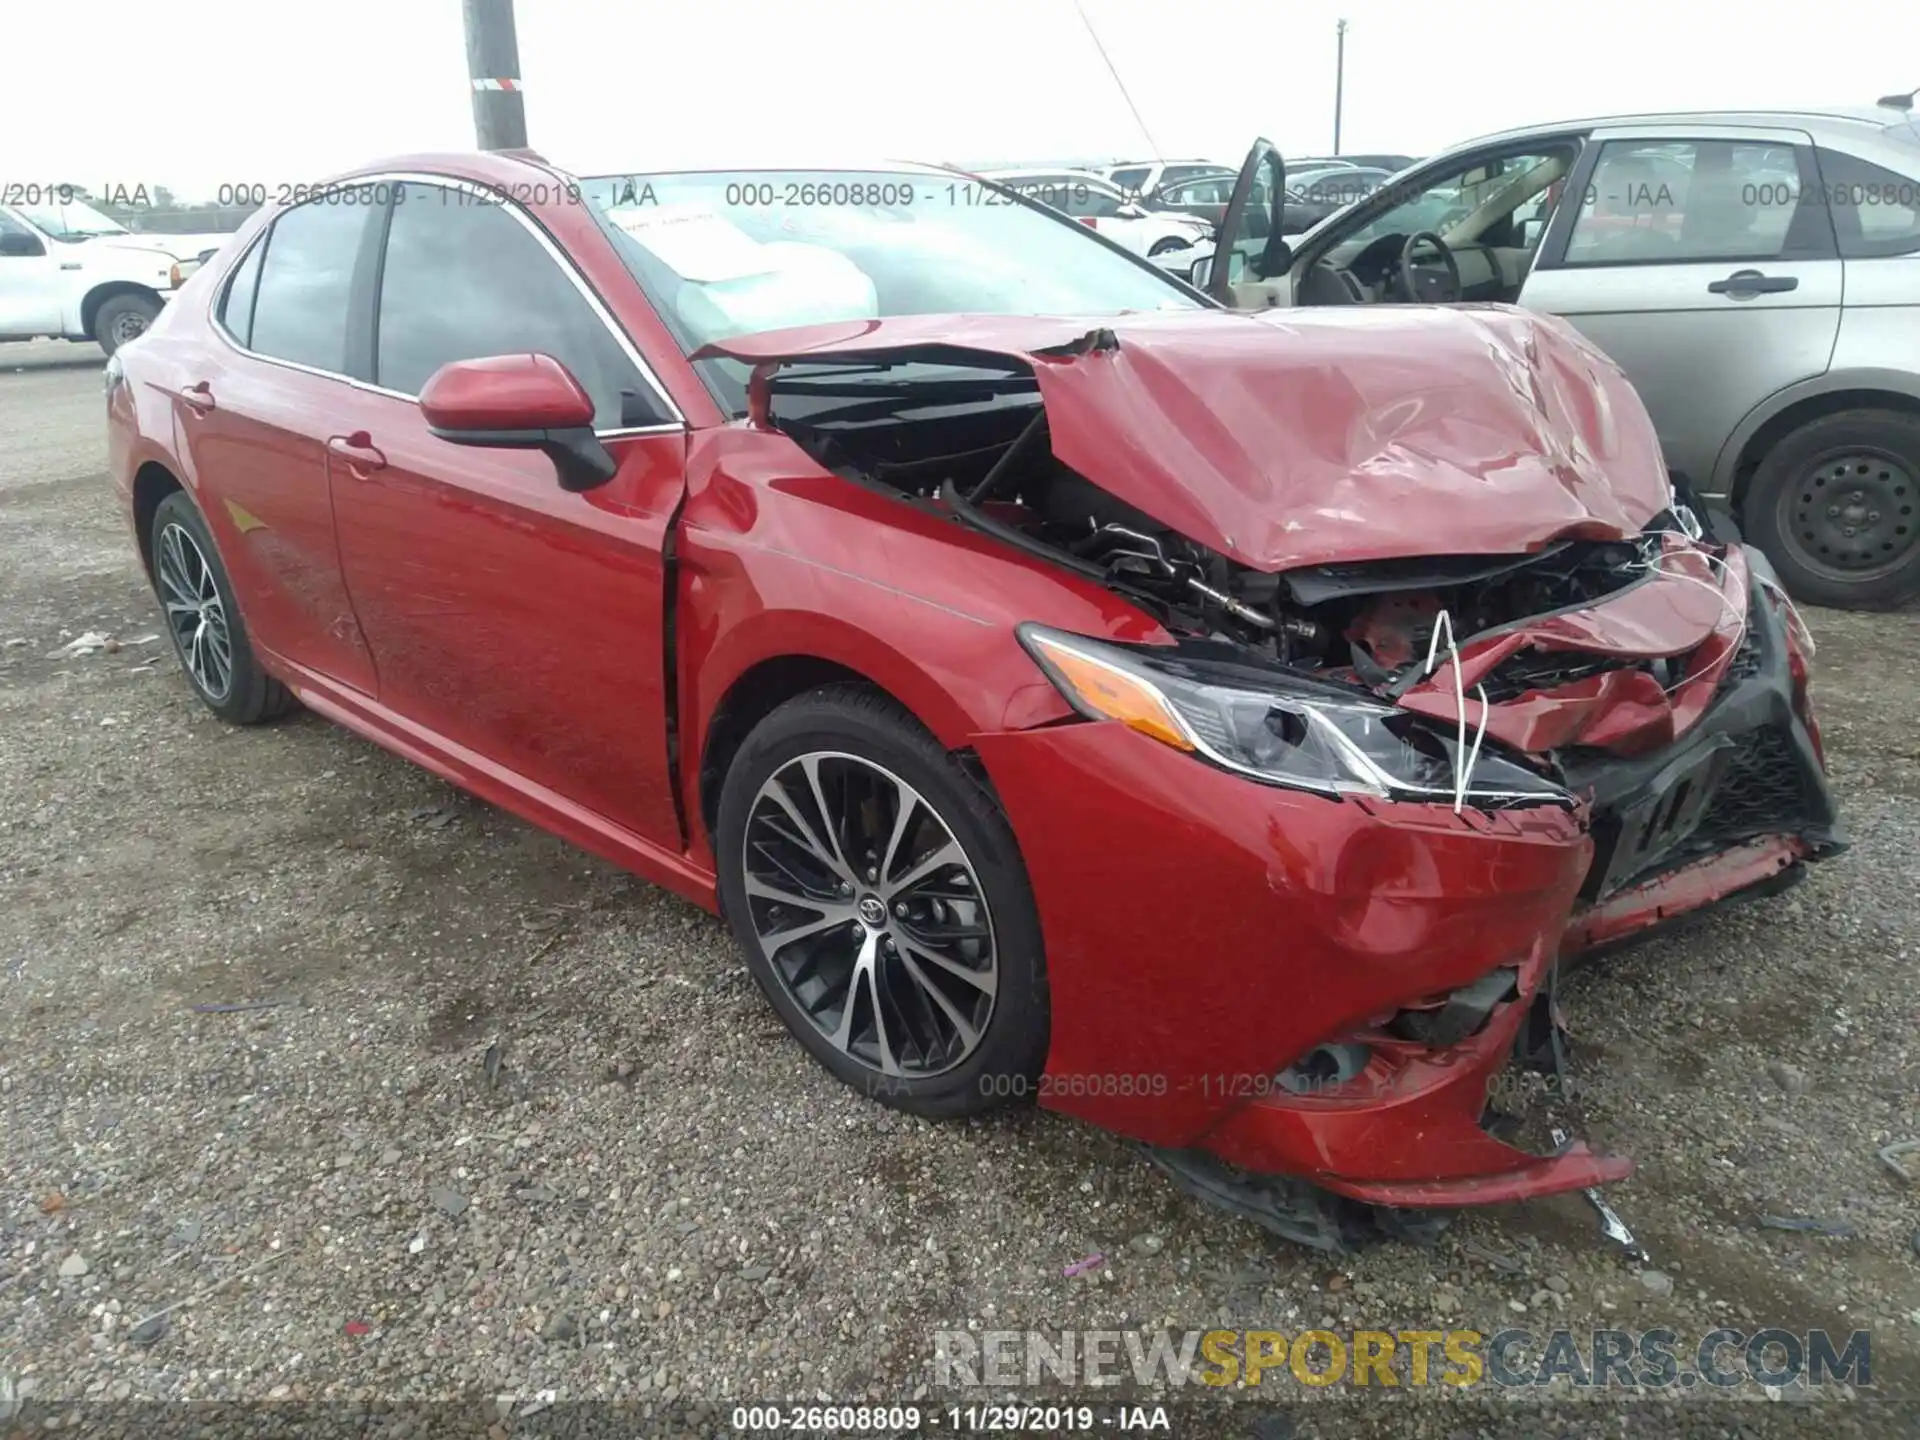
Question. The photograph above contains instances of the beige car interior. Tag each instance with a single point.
(1485, 268)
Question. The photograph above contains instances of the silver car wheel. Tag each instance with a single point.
(196, 616)
(870, 914)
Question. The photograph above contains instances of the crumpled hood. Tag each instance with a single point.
(1292, 437)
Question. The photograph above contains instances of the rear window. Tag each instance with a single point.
(236, 305)
(1875, 211)
(306, 283)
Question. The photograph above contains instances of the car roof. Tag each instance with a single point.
(504, 166)
(1843, 118)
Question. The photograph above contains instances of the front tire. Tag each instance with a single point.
(123, 318)
(1169, 244)
(878, 894)
(1836, 506)
(203, 620)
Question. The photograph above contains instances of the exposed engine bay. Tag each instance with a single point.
(1504, 661)
(1367, 624)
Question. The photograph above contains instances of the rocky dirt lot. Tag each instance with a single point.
(413, 1102)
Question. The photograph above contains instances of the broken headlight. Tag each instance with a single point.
(1282, 732)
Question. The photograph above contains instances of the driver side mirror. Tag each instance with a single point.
(1531, 231)
(21, 245)
(1202, 274)
(519, 402)
(1132, 210)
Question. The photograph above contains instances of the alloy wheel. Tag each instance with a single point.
(196, 616)
(870, 914)
(1852, 514)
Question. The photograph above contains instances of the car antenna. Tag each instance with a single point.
(1094, 35)
(1901, 103)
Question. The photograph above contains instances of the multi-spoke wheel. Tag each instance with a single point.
(878, 894)
(194, 612)
(203, 621)
(1836, 506)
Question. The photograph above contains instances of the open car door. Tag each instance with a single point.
(1248, 267)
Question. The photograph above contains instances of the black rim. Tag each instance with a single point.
(196, 615)
(1851, 515)
(871, 914)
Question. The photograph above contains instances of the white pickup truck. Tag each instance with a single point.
(70, 272)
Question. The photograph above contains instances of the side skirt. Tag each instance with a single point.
(498, 785)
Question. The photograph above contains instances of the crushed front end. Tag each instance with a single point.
(1435, 683)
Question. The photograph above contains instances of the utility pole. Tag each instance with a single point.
(493, 63)
(1339, 76)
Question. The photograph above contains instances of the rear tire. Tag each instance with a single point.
(203, 619)
(123, 318)
(916, 980)
(1836, 506)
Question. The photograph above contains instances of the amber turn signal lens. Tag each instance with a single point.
(1108, 691)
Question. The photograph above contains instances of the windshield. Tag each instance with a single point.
(725, 253)
(73, 220)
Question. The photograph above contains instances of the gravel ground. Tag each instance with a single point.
(509, 1121)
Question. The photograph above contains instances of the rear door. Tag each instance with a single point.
(254, 415)
(1702, 259)
(519, 621)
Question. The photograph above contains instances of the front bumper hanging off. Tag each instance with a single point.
(1204, 934)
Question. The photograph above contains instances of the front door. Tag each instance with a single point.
(30, 281)
(1703, 262)
(505, 614)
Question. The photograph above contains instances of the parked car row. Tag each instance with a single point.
(1105, 207)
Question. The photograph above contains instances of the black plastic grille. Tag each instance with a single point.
(1746, 660)
(1763, 790)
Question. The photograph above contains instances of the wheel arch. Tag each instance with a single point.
(1773, 421)
(756, 693)
(152, 483)
(100, 294)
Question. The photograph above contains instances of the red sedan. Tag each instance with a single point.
(1217, 726)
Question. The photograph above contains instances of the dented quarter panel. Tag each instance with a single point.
(1304, 437)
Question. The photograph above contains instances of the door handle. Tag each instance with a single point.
(1743, 283)
(198, 397)
(359, 453)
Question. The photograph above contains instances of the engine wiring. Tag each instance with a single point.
(1463, 773)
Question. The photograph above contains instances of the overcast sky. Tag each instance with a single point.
(271, 91)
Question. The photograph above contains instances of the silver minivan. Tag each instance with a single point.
(1756, 274)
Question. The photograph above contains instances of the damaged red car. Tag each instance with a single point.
(1217, 726)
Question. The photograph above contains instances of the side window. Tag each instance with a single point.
(1505, 187)
(1875, 211)
(464, 279)
(1129, 180)
(1681, 201)
(17, 240)
(304, 290)
(236, 305)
